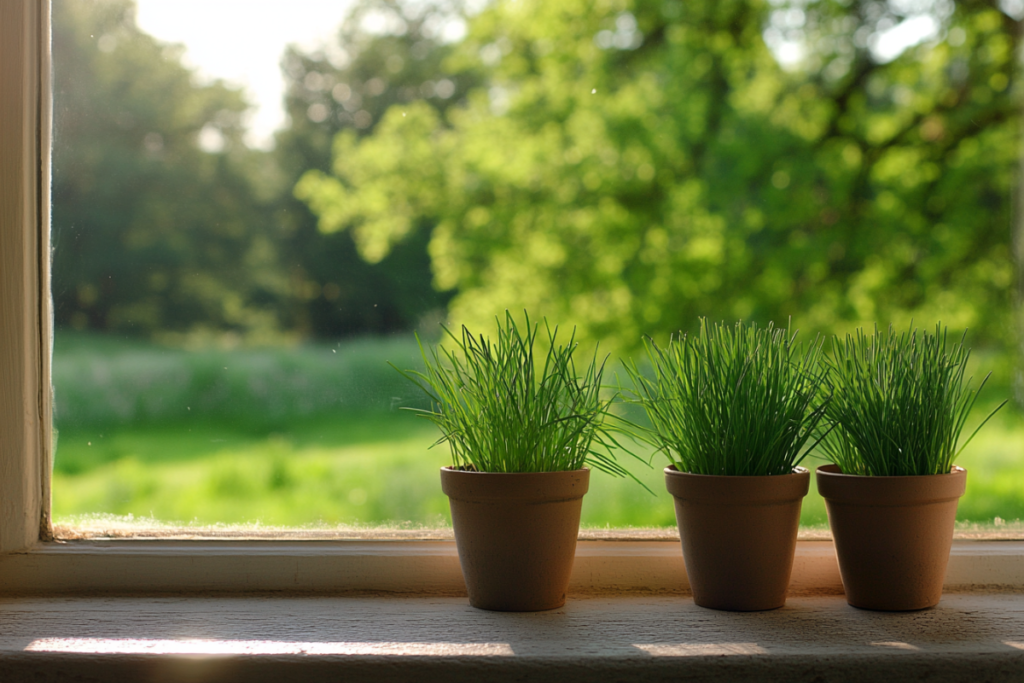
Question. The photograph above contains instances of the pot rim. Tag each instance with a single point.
(532, 487)
(458, 471)
(799, 471)
(890, 491)
(832, 470)
(722, 489)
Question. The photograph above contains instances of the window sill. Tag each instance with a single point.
(423, 568)
(969, 636)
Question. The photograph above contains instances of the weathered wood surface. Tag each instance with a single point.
(24, 272)
(976, 637)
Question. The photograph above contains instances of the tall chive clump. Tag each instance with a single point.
(738, 400)
(899, 403)
(503, 409)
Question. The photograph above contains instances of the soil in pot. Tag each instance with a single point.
(738, 535)
(892, 535)
(516, 535)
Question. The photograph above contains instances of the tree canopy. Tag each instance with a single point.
(399, 62)
(628, 165)
(156, 216)
(166, 225)
(622, 165)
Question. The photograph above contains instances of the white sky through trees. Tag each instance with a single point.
(242, 41)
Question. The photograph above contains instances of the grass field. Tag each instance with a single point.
(314, 435)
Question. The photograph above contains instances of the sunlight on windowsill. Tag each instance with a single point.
(270, 647)
(192, 646)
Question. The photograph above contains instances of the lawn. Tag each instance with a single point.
(315, 436)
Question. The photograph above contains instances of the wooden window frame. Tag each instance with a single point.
(31, 561)
(25, 331)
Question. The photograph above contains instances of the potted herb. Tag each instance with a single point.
(523, 425)
(899, 406)
(733, 409)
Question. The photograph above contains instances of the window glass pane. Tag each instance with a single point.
(254, 210)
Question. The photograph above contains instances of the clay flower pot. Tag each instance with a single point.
(738, 535)
(516, 535)
(892, 535)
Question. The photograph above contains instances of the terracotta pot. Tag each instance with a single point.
(516, 535)
(892, 535)
(738, 535)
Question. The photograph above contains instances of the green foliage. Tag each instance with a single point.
(363, 468)
(501, 409)
(632, 165)
(370, 469)
(899, 403)
(158, 227)
(342, 463)
(731, 401)
(106, 384)
(396, 61)
(167, 226)
(622, 164)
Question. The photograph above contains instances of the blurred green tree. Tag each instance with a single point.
(387, 54)
(632, 164)
(158, 224)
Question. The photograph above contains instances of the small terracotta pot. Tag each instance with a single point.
(738, 535)
(892, 535)
(516, 535)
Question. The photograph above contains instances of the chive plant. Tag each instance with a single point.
(738, 400)
(506, 406)
(899, 403)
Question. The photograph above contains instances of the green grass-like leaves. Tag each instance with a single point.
(738, 400)
(502, 410)
(899, 403)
